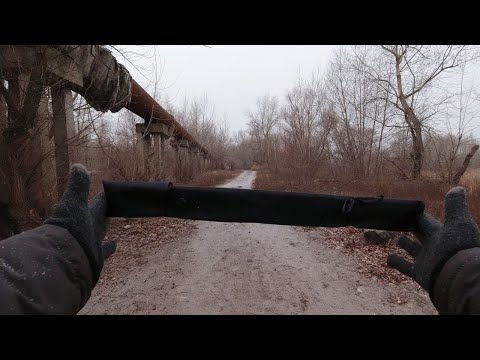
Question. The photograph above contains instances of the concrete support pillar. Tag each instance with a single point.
(153, 158)
(140, 155)
(191, 162)
(188, 164)
(195, 159)
(178, 159)
(183, 157)
(159, 158)
(69, 114)
(62, 161)
(199, 161)
(144, 153)
(156, 157)
(204, 162)
(163, 157)
(147, 145)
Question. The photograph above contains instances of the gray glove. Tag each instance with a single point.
(438, 243)
(85, 221)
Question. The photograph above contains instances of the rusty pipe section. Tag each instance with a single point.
(93, 72)
(143, 105)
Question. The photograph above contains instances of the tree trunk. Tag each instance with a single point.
(3, 113)
(19, 156)
(456, 178)
(62, 161)
(418, 151)
(413, 123)
(44, 135)
(35, 162)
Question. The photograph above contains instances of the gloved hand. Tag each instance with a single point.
(85, 221)
(438, 243)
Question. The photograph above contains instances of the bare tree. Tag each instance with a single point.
(262, 123)
(446, 148)
(240, 150)
(20, 150)
(417, 69)
(365, 121)
(306, 125)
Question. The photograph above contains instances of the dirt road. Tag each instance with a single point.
(238, 268)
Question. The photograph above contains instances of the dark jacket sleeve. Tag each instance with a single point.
(457, 289)
(43, 271)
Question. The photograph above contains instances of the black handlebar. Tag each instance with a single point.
(152, 199)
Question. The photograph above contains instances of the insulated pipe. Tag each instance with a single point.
(143, 105)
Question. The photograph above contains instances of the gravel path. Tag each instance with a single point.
(240, 268)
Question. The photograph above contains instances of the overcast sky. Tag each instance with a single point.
(232, 76)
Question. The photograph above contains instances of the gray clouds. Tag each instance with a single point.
(232, 76)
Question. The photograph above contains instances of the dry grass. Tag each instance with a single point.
(430, 191)
(257, 167)
(370, 257)
(471, 180)
(214, 177)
